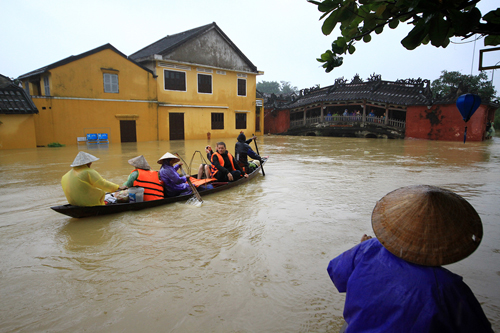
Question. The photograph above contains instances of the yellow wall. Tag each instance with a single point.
(17, 131)
(224, 97)
(78, 105)
(63, 121)
(84, 78)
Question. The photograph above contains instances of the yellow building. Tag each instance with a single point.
(97, 92)
(17, 111)
(206, 86)
(191, 85)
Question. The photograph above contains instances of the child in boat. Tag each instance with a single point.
(204, 169)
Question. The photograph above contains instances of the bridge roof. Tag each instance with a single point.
(401, 92)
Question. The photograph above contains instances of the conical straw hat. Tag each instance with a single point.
(427, 225)
(139, 162)
(83, 158)
(167, 156)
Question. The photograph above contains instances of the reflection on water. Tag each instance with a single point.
(250, 259)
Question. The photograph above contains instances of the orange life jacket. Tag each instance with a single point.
(198, 182)
(213, 169)
(153, 187)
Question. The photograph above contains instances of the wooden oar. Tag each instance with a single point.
(257, 148)
(193, 188)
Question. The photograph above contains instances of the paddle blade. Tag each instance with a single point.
(467, 104)
(193, 201)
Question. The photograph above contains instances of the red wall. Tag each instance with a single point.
(276, 122)
(444, 122)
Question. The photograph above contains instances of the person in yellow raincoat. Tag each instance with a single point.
(84, 186)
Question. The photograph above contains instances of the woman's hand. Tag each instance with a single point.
(365, 237)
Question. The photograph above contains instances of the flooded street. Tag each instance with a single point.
(251, 259)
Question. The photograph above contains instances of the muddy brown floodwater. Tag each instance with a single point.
(251, 259)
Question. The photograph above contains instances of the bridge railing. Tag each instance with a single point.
(348, 119)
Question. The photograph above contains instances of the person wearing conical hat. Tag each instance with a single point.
(174, 184)
(84, 186)
(143, 176)
(395, 282)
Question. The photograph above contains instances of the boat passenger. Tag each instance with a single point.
(174, 184)
(84, 186)
(204, 169)
(143, 176)
(242, 150)
(224, 166)
(395, 282)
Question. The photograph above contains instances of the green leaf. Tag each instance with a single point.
(393, 24)
(380, 10)
(438, 31)
(445, 42)
(493, 16)
(369, 22)
(367, 38)
(415, 36)
(378, 30)
(329, 24)
(492, 40)
(327, 55)
(326, 6)
(352, 49)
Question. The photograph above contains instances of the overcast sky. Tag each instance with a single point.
(281, 37)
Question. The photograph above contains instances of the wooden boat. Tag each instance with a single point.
(79, 212)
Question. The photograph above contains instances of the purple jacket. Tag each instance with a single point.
(174, 184)
(387, 294)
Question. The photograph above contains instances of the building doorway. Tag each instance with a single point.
(128, 131)
(176, 121)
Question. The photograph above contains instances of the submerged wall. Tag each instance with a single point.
(444, 122)
(17, 131)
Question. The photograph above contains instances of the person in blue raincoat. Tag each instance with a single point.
(174, 184)
(395, 282)
(242, 150)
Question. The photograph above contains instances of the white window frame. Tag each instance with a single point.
(109, 85)
(185, 80)
(211, 84)
(238, 87)
(46, 85)
(244, 113)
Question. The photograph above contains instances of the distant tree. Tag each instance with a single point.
(269, 87)
(287, 88)
(273, 87)
(433, 21)
(477, 84)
